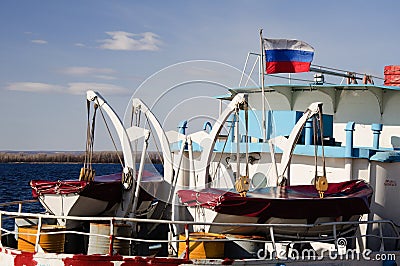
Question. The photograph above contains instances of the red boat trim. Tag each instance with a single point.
(106, 188)
(22, 258)
(41, 187)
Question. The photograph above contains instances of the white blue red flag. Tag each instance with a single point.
(287, 56)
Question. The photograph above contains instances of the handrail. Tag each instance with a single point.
(272, 240)
(17, 202)
(142, 220)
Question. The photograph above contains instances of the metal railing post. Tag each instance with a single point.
(271, 232)
(335, 237)
(39, 229)
(1, 229)
(187, 241)
(382, 248)
(111, 248)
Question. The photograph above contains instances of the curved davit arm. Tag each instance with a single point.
(208, 142)
(119, 127)
(288, 145)
(162, 137)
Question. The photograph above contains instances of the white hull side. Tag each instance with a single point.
(294, 231)
(75, 205)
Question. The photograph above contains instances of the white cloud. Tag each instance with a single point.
(104, 77)
(76, 88)
(83, 71)
(121, 40)
(100, 73)
(80, 44)
(80, 88)
(33, 87)
(39, 41)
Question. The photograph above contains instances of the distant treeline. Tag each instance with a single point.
(69, 157)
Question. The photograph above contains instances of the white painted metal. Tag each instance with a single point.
(192, 169)
(140, 174)
(287, 145)
(353, 103)
(125, 141)
(162, 137)
(207, 141)
(119, 127)
(74, 205)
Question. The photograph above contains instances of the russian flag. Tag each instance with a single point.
(287, 56)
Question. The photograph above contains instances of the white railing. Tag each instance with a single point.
(272, 239)
(18, 202)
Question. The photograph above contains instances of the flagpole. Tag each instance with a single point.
(264, 126)
(271, 145)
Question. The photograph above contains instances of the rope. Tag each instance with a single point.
(147, 123)
(315, 137)
(223, 149)
(321, 129)
(132, 114)
(284, 179)
(91, 144)
(136, 113)
(320, 182)
(154, 140)
(87, 133)
(87, 173)
(112, 139)
(246, 118)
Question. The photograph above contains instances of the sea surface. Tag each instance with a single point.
(15, 178)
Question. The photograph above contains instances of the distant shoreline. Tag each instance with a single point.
(69, 157)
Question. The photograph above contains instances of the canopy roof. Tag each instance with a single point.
(332, 90)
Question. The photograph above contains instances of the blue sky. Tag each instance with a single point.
(53, 51)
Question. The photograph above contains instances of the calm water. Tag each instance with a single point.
(15, 178)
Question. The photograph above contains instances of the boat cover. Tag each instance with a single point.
(290, 202)
(106, 187)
